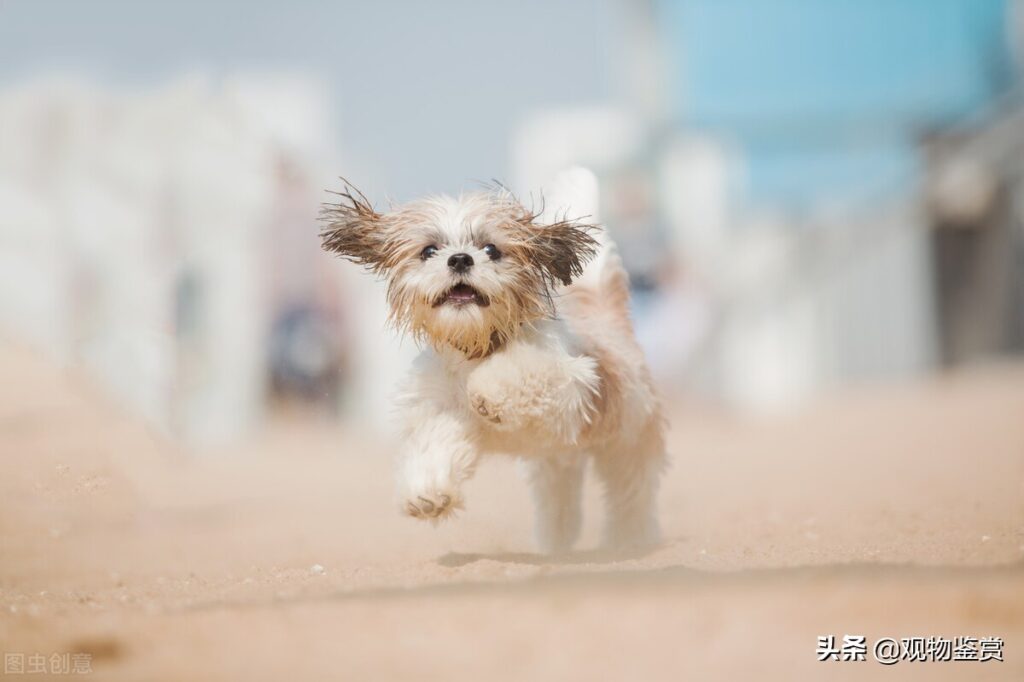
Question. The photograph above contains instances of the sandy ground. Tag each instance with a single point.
(884, 512)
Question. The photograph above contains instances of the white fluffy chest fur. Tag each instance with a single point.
(535, 396)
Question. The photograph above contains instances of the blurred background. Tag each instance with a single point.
(821, 207)
(808, 194)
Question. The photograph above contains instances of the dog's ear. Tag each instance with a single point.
(561, 249)
(354, 230)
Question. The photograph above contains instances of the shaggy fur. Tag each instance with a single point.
(529, 351)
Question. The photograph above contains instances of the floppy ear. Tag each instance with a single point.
(354, 230)
(563, 248)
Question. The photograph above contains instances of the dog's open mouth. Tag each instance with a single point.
(460, 295)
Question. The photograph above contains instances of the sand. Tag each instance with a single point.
(885, 511)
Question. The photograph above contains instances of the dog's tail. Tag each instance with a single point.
(575, 194)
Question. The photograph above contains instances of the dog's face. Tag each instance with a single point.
(466, 272)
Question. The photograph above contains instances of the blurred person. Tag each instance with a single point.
(308, 336)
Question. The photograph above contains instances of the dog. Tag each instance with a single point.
(528, 350)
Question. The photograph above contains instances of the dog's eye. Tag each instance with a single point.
(492, 252)
(428, 252)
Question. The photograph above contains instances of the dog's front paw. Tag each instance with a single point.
(489, 410)
(497, 399)
(432, 505)
(439, 459)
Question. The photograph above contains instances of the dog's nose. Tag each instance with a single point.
(460, 262)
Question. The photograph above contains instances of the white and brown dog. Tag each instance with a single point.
(529, 351)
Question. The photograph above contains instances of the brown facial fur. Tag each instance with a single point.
(545, 255)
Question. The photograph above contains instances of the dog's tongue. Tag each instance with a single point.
(462, 293)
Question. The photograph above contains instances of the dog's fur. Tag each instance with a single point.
(538, 359)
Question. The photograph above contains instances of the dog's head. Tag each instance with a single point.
(466, 272)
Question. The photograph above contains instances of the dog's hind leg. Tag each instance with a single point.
(557, 486)
(630, 473)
